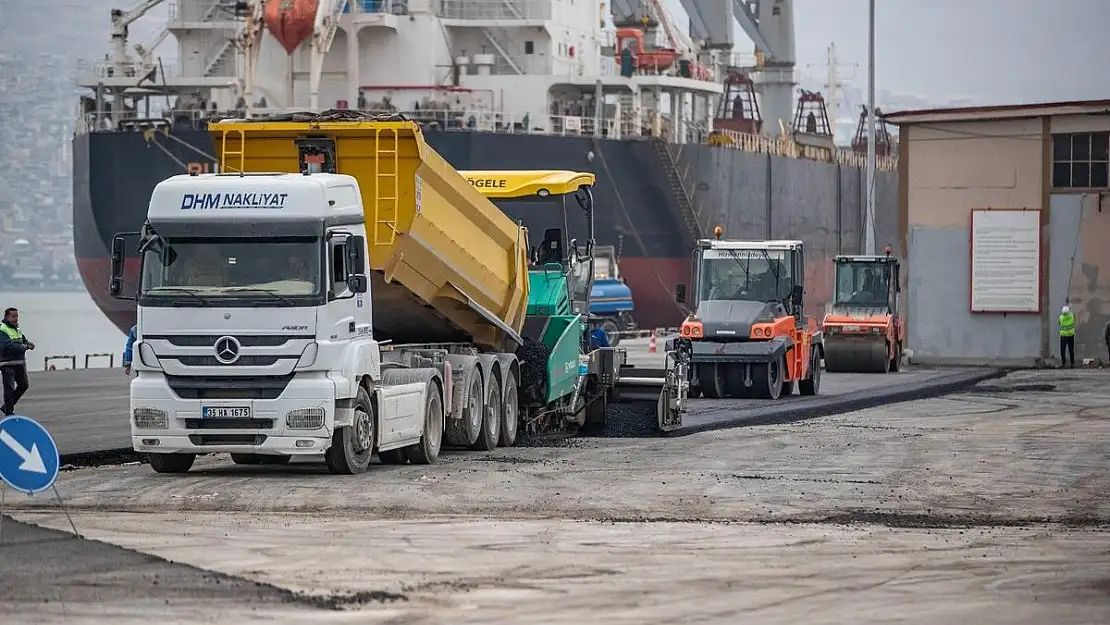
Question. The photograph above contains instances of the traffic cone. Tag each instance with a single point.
(651, 345)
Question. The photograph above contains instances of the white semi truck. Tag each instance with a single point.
(298, 314)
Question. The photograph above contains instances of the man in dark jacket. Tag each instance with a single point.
(13, 364)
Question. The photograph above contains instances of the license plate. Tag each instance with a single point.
(851, 328)
(212, 412)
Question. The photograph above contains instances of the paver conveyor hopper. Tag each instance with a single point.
(864, 332)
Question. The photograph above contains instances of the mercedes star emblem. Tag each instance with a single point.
(227, 349)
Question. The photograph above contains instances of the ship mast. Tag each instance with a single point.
(869, 221)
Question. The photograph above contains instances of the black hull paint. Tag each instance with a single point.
(115, 173)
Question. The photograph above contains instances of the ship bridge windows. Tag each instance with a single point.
(275, 271)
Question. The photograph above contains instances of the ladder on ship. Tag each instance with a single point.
(681, 202)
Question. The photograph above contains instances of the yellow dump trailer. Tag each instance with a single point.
(448, 265)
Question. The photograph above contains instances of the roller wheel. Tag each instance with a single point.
(711, 379)
(171, 463)
(491, 418)
(426, 451)
(812, 384)
(393, 456)
(734, 381)
(257, 459)
(509, 410)
(884, 359)
(896, 362)
(352, 446)
(767, 379)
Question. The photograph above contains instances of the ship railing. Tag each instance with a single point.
(787, 147)
(92, 72)
(193, 11)
(495, 9)
(374, 7)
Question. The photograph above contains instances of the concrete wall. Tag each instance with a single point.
(1080, 269)
(952, 169)
(758, 196)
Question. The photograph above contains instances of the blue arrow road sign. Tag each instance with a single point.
(28, 456)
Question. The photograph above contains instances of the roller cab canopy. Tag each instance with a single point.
(447, 264)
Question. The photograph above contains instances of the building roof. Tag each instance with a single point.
(1006, 111)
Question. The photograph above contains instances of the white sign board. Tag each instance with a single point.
(1005, 261)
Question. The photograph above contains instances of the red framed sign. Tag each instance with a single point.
(1006, 260)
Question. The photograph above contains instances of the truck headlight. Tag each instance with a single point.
(308, 356)
(147, 356)
(150, 419)
(305, 419)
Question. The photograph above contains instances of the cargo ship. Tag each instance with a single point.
(667, 126)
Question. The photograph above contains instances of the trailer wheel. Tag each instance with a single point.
(257, 459)
(466, 431)
(171, 463)
(812, 384)
(509, 412)
(491, 418)
(352, 446)
(427, 450)
(711, 380)
(767, 379)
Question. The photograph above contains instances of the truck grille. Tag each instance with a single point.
(208, 340)
(227, 439)
(229, 387)
(244, 361)
(229, 424)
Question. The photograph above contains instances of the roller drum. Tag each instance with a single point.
(856, 356)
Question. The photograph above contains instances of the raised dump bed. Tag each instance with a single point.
(448, 265)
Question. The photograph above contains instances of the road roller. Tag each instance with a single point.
(748, 336)
(864, 332)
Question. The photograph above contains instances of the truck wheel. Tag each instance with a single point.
(767, 379)
(352, 446)
(427, 450)
(465, 432)
(171, 463)
(256, 459)
(711, 380)
(509, 412)
(812, 384)
(491, 419)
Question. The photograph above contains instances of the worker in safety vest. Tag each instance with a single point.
(1067, 337)
(13, 365)
(128, 350)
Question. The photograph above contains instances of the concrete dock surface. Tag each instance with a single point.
(988, 506)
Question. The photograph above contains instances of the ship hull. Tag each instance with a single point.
(753, 195)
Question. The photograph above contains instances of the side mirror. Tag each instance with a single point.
(117, 257)
(356, 259)
(680, 293)
(357, 283)
(796, 294)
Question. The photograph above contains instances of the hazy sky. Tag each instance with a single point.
(992, 50)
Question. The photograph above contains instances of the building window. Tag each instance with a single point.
(529, 47)
(1079, 160)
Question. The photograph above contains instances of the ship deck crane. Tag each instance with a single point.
(121, 20)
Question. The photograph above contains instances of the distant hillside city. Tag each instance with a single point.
(38, 103)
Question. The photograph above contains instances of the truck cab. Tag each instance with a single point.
(255, 327)
(748, 331)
